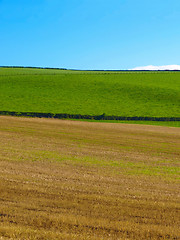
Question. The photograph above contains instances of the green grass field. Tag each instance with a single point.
(158, 123)
(151, 94)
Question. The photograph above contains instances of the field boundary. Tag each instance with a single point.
(90, 117)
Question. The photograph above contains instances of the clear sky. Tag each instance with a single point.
(89, 34)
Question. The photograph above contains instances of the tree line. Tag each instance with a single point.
(86, 116)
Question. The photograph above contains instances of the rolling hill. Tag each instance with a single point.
(123, 93)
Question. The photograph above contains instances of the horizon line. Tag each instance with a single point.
(110, 70)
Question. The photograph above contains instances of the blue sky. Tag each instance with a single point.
(89, 34)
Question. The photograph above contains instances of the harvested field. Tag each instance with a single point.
(85, 180)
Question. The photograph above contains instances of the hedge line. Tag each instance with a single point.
(80, 116)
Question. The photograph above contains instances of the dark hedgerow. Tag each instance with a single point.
(90, 117)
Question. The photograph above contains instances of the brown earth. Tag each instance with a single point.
(81, 180)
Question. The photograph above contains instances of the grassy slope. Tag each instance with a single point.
(58, 180)
(157, 123)
(114, 93)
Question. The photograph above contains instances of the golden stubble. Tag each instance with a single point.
(81, 180)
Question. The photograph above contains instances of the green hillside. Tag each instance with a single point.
(151, 94)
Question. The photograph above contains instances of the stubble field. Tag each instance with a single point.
(85, 180)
